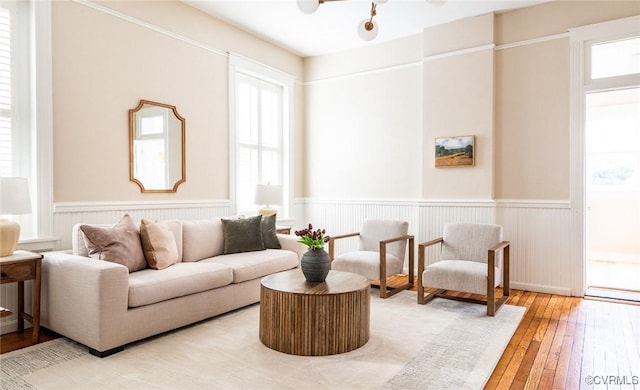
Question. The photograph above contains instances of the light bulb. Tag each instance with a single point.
(379, 1)
(308, 6)
(367, 34)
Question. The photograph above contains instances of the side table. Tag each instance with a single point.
(283, 229)
(19, 267)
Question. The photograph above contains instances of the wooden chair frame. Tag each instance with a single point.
(492, 304)
(385, 291)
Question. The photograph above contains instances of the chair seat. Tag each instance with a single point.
(366, 263)
(459, 275)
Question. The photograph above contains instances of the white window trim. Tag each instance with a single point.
(241, 64)
(581, 83)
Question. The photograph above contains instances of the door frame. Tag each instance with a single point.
(581, 38)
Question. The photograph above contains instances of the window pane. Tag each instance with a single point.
(247, 171)
(270, 118)
(613, 139)
(271, 167)
(615, 58)
(247, 113)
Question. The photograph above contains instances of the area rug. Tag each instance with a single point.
(441, 345)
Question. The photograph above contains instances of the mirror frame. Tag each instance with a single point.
(132, 132)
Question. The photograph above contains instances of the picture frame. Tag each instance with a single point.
(456, 151)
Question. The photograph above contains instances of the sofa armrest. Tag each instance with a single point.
(291, 243)
(85, 299)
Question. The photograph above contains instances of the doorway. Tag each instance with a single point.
(612, 151)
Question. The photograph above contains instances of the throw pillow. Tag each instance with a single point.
(242, 235)
(269, 237)
(159, 244)
(118, 244)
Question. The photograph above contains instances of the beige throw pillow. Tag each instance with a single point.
(118, 244)
(158, 244)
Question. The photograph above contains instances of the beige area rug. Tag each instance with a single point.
(443, 344)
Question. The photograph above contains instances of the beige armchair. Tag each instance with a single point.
(380, 253)
(473, 258)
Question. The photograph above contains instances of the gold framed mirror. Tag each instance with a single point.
(156, 147)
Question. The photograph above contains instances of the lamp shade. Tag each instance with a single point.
(14, 196)
(14, 199)
(268, 194)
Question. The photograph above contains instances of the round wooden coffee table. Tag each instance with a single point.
(314, 319)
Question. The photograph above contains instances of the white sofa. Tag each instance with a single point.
(103, 306)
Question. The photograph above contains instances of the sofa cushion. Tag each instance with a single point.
(253, 265)
(242, 235)
(201, 239)
(151, 286)
(158, 244)
(118, 244)
(269, 236)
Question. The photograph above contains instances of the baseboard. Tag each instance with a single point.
(566, 291)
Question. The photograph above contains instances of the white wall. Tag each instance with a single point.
(504, 78)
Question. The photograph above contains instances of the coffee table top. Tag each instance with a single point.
(293, 281)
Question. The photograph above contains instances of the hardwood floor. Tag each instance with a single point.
(561, 343)
(12, 341)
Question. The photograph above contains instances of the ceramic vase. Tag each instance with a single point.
(315, 265)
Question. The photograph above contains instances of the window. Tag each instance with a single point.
(260, 133)
(613, 140)
(617, 58)
(25, 108)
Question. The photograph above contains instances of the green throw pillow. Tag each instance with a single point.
(269, 236)
(242, 235)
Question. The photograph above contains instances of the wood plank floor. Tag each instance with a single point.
(561, 343)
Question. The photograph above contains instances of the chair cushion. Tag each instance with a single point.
(252, 265)
(470, 241)
(459, 275)
(150, 286)
(373, 231)
(366, 263)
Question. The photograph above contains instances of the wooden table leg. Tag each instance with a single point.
(20, 307)
(35, 310)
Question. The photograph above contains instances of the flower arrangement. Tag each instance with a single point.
(313, 239)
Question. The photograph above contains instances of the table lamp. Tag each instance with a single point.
(268, 195)
(14, 199)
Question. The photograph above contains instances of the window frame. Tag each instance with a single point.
(35, 134)
(580, 84)
(239, 65)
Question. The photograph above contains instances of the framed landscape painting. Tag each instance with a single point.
(455, 151)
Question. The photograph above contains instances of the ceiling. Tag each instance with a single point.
(333, 27)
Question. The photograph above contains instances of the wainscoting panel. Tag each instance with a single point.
(539, 232)
(66, 215)
(341, 217)
(540, 238)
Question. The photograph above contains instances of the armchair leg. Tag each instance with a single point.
(388, 292)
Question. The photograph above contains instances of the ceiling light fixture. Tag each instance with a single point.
(367, 28)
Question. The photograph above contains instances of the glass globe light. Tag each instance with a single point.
(367, 30)
(308, 6)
